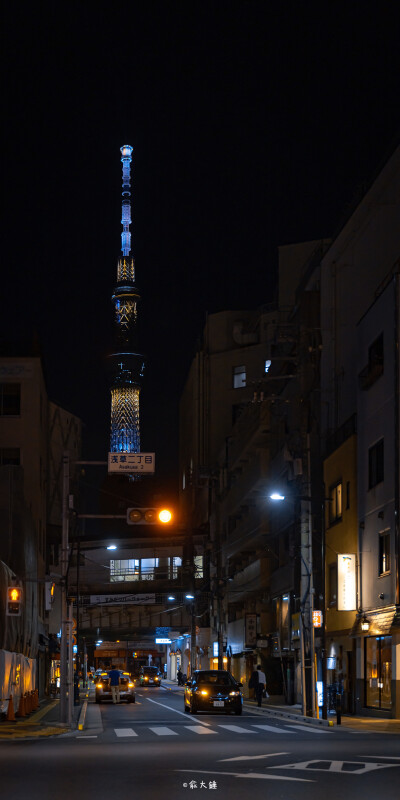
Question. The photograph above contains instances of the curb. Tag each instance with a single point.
(82, 716)
(327, 723)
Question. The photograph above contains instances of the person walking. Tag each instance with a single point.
(261, 685)
(114, 683)
(179, 675)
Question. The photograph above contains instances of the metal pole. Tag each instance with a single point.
(64, 568)
(323, 638)
(70, 686)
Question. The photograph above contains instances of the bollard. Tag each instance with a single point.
(338, 708)
(10, 716)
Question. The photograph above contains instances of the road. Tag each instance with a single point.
(152, 749)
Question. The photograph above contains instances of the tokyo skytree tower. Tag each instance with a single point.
(126, 363)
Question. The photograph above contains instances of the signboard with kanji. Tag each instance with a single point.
(132, 463)
(251, 630)
(317, 619)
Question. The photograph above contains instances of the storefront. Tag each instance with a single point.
(378, 672)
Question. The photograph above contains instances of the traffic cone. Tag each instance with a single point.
(36, 698)
(21, 707)
(28, 701)
(10, 716)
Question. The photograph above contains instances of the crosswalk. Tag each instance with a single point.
(206, 730)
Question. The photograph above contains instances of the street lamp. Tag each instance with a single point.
(306, 605)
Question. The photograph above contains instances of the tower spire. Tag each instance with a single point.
(126, 363)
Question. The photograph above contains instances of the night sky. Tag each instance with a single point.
(254, 124)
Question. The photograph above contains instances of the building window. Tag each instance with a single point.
(375, 464)
(124, 570)
(198, 566)
(267, 364)
(332, 590)
(335, 504)
(10, 399)
(384, 552)
(239, 377)
(9, 456)
(375, 355)
(378, 672)
(147, 567)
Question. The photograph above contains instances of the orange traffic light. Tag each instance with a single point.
(14, 601)
(148, 516)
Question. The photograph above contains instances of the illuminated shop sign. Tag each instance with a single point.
(346, 570)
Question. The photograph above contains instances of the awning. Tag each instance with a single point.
(381, 623)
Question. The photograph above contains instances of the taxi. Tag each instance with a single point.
(126, 688)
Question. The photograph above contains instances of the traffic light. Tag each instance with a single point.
(14, 601)
(148, 516)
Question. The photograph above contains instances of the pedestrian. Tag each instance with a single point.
(179, 675)
(261, 685)
(253, 683)
(114, 683)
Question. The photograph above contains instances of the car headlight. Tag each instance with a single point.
(204, 692)
(233, 694)
(131, 685)
(146, 678)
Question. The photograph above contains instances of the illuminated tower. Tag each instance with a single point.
(126, 363)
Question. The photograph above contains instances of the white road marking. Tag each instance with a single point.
(336, 766)
(197, 729)
(173, 709)
(86, 737)
(272, 729)
(163, 731)
(125, 732)
(249, 775)
(251, 758)
(307, 728)
(236, 729)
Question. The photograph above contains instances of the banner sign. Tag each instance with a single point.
(346, 571)
(251, 630)
(132, 462)
(121, 599)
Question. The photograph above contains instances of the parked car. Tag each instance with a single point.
(213, 690)
(126, 688)
(150, 676)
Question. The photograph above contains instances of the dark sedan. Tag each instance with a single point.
(213, 690)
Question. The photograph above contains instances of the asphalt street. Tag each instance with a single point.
(152, 749)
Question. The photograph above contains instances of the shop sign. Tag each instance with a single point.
(317, 619)
(251, 630)
(346, 570)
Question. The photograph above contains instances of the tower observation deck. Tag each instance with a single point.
(126, 363)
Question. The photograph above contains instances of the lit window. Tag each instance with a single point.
(384, 552)
(198, 566)
(239, 377)
(267, 365)
(147, 566)
(375, 464)
(335, 504)
(124, 570)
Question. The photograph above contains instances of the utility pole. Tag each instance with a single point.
(66, 628)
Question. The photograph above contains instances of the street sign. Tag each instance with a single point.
(132, 463)
(317, 619)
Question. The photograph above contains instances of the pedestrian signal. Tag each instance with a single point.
(14, 601)
(148, 516)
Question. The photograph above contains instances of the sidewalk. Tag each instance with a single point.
(295, 713)
(41, 723)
